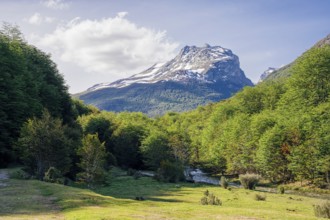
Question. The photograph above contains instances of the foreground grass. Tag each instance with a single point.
(31, 199)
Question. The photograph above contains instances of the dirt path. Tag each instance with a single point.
(20, 200)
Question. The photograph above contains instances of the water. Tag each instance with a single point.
(198, 176)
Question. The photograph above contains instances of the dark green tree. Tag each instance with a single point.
(29, 82)
(126, 145)
(43, 144)
(155, 149)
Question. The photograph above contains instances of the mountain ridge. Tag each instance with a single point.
(284, 71)
(191, 63)
(196, 76)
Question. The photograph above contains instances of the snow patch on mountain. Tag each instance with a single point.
(206, 64)
(266, 73)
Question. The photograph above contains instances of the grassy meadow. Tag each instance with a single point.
(32, 199)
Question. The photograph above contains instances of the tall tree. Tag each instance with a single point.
(127, 141)
(92, 161)
(43, 144)
(155, 149)
(29, 82)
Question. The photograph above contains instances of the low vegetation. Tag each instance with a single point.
(224, 182)
(210, 199)
(322, 209)
(260, 197)
(249, 181)
(31, 199)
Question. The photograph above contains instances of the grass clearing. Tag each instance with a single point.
(31, 199)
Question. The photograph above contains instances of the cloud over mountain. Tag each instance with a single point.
(111, 45)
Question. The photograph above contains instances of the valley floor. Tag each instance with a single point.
(32, 199)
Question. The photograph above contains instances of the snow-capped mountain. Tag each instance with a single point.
(196, 76)
(205, 64)
(266, 73)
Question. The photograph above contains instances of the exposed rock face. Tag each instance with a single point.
(206, 64)
(266, 73)
(196, 76)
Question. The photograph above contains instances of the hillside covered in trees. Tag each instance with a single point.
(29, 83)
(279, 129)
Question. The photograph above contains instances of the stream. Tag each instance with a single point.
(198, 176)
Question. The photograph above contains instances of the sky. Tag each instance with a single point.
(105, 40)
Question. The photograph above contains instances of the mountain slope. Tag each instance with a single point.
(285, 70)
(196, 76)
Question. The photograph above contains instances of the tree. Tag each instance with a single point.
(43, 144)
(310, 80)
(29, 83)
(271, 155)
(100, 125)
(180, 146)
(155, 149)
(127, 141)
(250, 100)
(92, 161)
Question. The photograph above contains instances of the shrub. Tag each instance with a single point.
(170, 172)
(20, 174)
(131, 172)
(139, 198)
(210, 199)
(53, 175)
(259, 197)
(137, 175)
(108, 178)
(249, 181)
(322, 210)
(213, 200)
(224, 182)
(280, 189)
(204, 200)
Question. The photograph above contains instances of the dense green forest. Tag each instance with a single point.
(29, 83)
(279, 129)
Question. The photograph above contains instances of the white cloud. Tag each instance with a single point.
(56, 4)
(112, 46)
(37, 19)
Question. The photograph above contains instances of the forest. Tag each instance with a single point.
(279, 129)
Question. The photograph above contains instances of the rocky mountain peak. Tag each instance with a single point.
(206, 64)
(266, 73)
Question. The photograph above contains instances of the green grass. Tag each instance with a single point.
(31, 199)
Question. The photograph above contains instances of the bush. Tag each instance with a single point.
(131, 172)
(108, 178)
(204, 201)
(280, 189)
(259, 197)
(20, 174)
(53, 175)
(210, 199)
(322, 210)
(213, 200)
(249, 181)
(137, 175)
(170, 172)
(224, 182)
